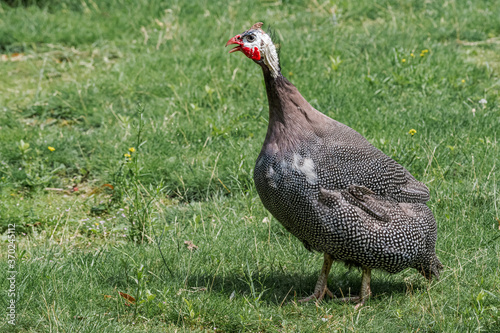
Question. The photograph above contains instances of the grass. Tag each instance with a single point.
(178, 225)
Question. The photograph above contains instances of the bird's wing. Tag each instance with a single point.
(360, 197)
(363, 198)
(349, 159)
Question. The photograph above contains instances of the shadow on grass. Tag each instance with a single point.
(280, 288)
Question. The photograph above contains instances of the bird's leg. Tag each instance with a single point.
(365, 287)
(365, 292)
(321, 286)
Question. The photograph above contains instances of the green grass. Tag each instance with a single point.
(95, 78)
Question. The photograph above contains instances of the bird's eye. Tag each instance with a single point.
(250, 38)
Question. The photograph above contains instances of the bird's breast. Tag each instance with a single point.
(287, 184)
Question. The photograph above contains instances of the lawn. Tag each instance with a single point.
(129, 136)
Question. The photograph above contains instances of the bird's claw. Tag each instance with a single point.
(318, 295)
(359, 305)
(355, 299)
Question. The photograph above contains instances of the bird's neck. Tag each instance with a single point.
(290, 115)
(276, 86)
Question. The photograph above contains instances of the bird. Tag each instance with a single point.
(332, 189)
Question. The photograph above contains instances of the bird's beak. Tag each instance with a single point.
(235, 40)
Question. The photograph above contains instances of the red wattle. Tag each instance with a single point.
(252, 54)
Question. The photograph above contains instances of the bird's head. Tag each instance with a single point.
(258, 46)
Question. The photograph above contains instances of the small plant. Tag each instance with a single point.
(36, 169)
(335, 62)
(24, 147)
(143, 296)
(128, 189)
(115, 225)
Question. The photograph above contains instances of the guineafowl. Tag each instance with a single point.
(333, 190)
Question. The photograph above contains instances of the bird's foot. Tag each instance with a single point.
(359, 305)
(319, 294)
(321, 286)
(349, 299)
(355, 299)
(365, 290)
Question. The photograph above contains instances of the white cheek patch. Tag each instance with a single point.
(252, 45)
(267, 51)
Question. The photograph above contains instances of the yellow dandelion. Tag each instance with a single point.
(412, 55)
(126, 155)
(132, 149)
(463, 81)
(404, 60)
(425, 51)
(51, 148)
(412, 132)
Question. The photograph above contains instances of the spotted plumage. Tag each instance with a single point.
(332, 189)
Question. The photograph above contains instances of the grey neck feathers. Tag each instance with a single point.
(290, 115)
